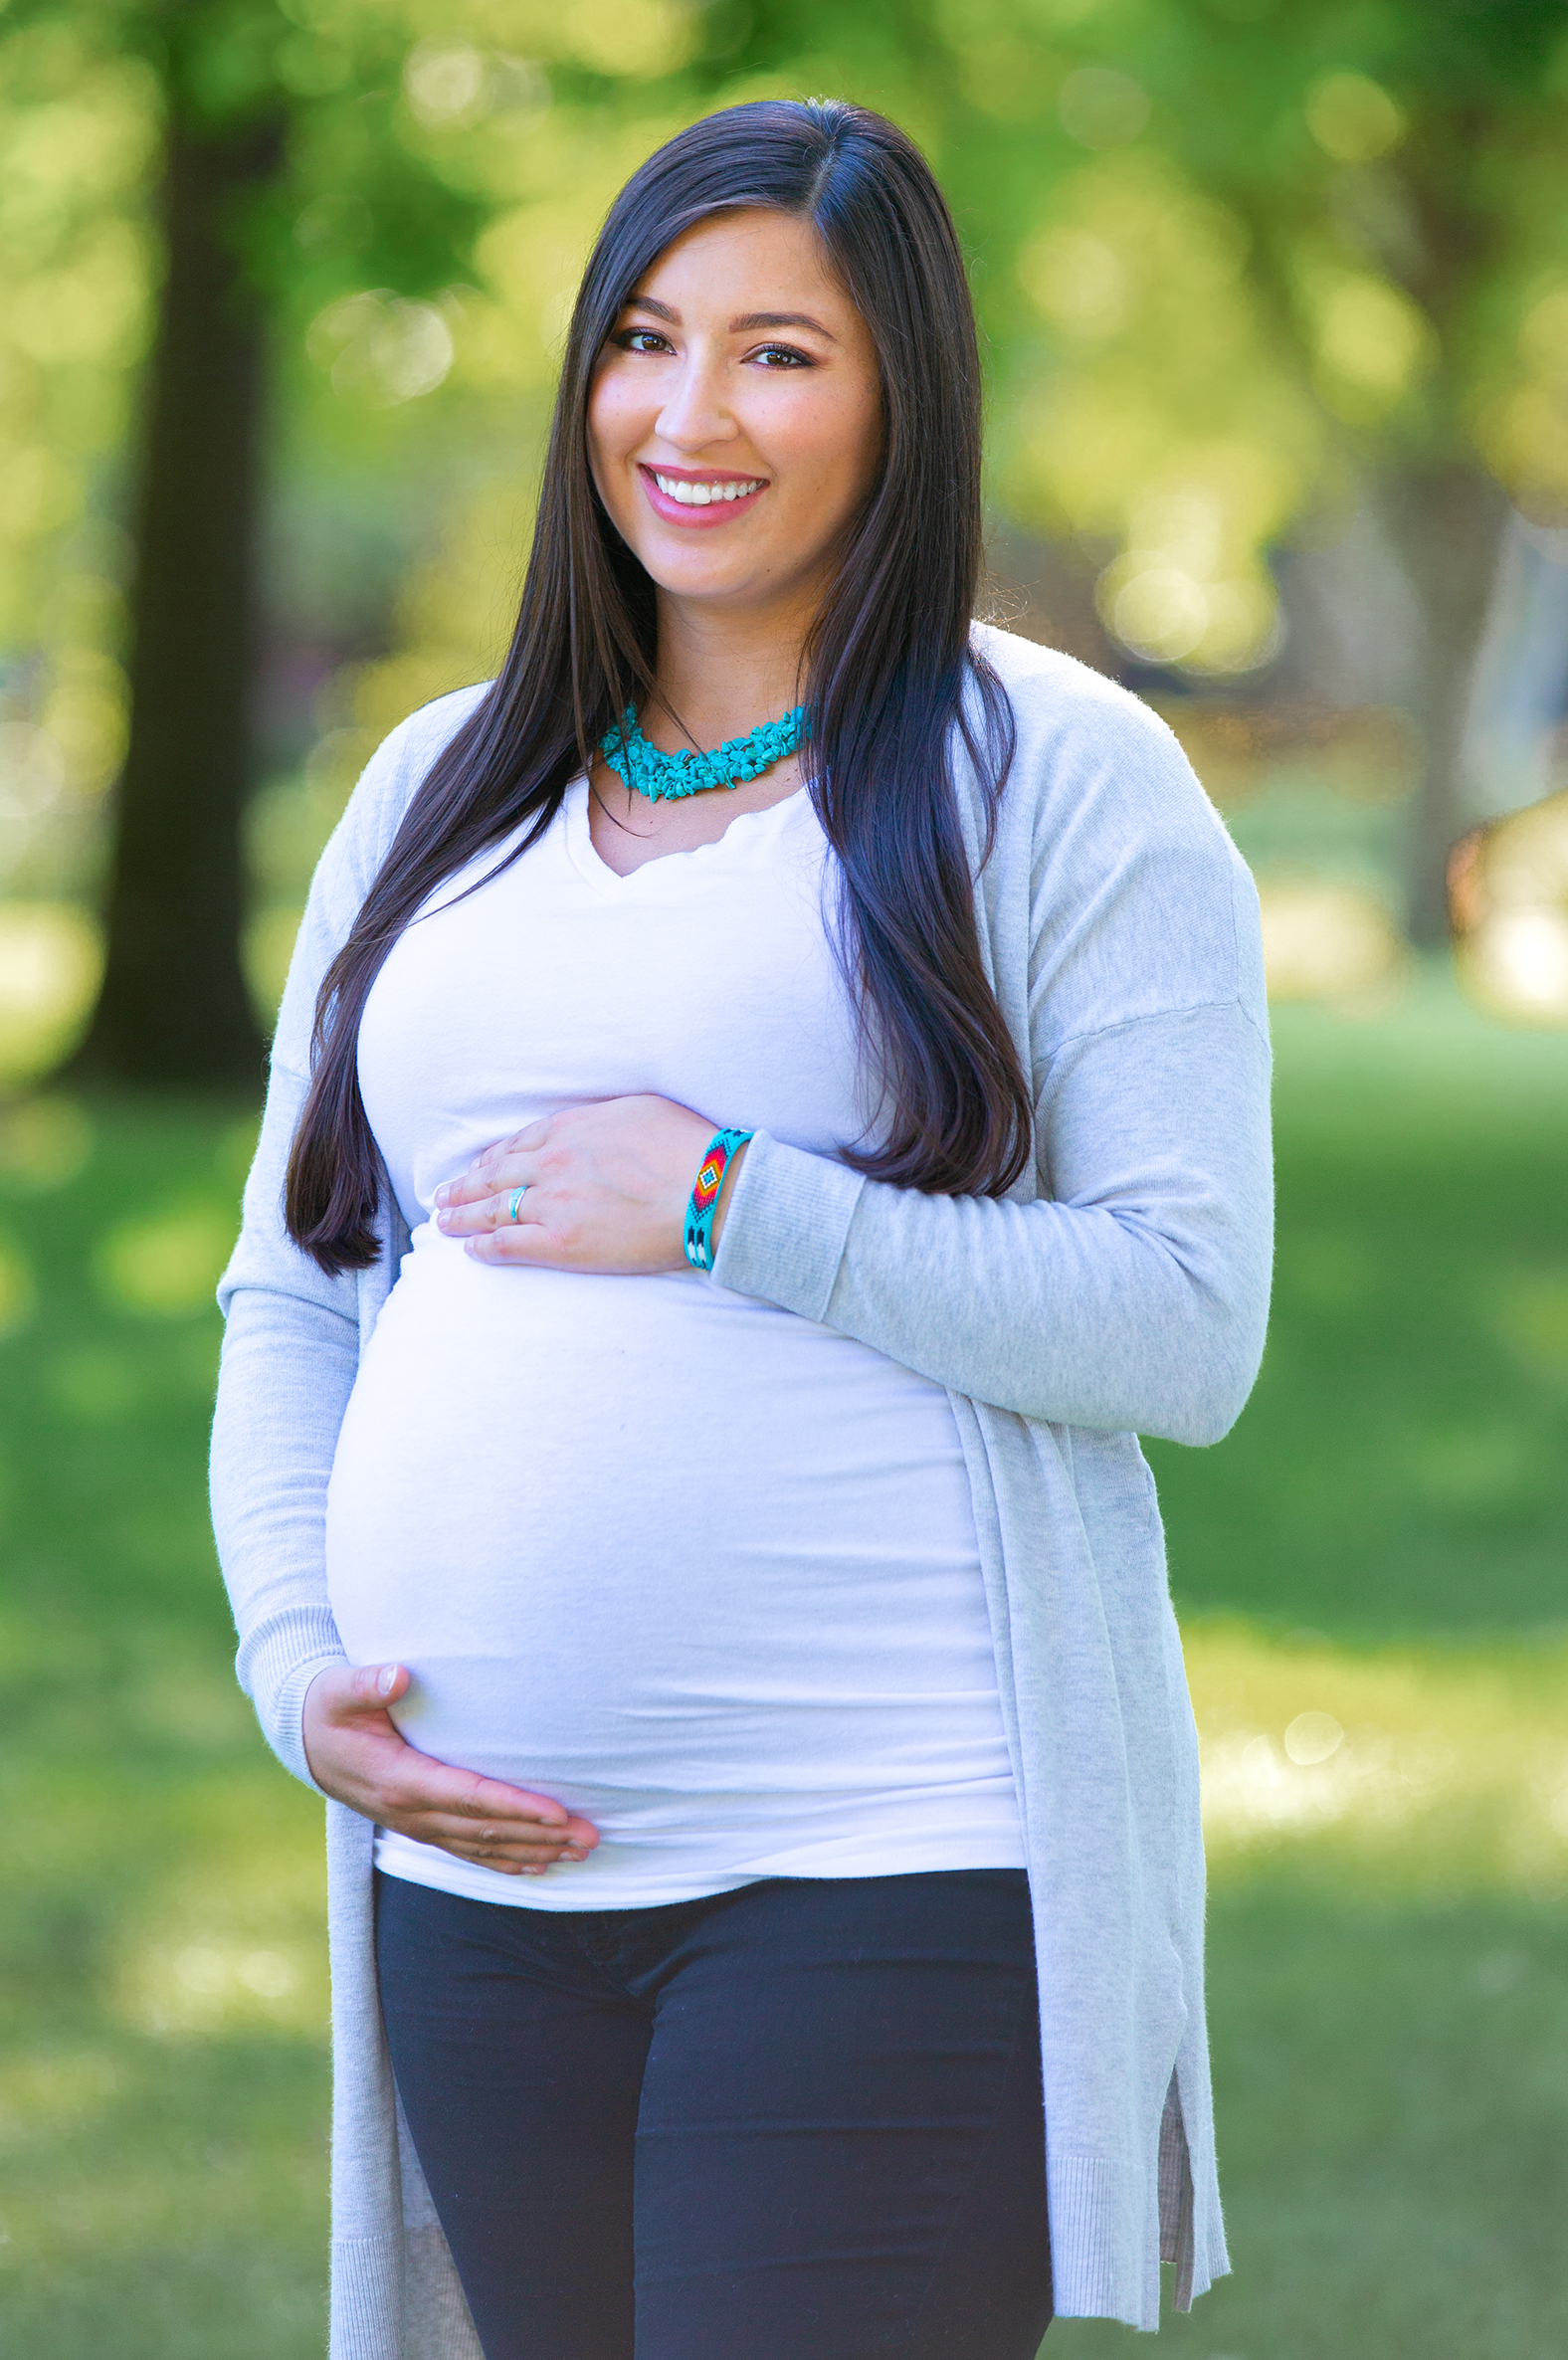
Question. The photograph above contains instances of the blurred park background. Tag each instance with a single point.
(1276, 300)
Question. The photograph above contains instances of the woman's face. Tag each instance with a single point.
(734, 425)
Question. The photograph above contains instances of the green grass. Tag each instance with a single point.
(1381, 1538)
(1392, 2080)
(1399, 1467)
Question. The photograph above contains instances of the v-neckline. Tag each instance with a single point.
(591, 866)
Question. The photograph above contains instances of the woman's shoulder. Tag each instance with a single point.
(1036, 675)
(390, 780)
(1120, 845)
(354, 853)
(1077, 729)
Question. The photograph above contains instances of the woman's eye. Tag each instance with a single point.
(642, 340)
(783, 356)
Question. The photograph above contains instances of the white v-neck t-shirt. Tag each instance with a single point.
(703, 1570)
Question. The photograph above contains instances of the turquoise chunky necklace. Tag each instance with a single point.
(665, 777)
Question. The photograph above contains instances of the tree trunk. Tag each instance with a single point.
(174, 1009)
(1446, 522)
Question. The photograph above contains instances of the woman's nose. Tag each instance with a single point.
(696, 413)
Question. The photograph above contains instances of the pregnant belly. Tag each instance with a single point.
(648, 1547)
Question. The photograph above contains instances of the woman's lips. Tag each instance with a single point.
(675, 511)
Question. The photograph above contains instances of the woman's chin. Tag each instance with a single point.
(744, 582)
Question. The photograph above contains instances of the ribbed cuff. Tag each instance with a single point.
(276, 1667)
(785, 1229)
(287, 1739)
(1097, 2271)
(367, 2298)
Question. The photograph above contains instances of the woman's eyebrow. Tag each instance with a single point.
(752, 319)
(744, 325)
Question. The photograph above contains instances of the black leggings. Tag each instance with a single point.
(797, 2121)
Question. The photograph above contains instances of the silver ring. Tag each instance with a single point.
(514, 1203)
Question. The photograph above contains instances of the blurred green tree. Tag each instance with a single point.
(315, 162)
(1316, 252)
(1408, 218)
(249, 97)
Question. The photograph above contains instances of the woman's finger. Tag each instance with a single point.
(496, 1847)
(422, 1785)
(451, 1826)
(346, 1692)
(452, 1837)
(469, 1844)
(510, 1208)
(491, 1168)
(523, 1142)
(497, 1179)
(356, 1753)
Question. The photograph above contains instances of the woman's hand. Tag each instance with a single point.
(354, 1750)
(607, 1189)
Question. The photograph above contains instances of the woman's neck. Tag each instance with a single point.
(720, 674)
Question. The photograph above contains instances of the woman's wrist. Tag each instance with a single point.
(726, 1193)
(701, 1229)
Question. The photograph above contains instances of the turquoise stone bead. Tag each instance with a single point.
(664, 778)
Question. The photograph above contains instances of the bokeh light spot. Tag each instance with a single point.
(1353, 119)
(1100, 107)
(1372, 341)
(1159, 612)
(378, 348)
(50, 959)
(1333, 942)
(1517, 960)
(44, 1143)
(1079, 282)
(1312, 1737)
(445, 81)
(169, 1266)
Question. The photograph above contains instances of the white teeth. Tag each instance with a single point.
(703, 496)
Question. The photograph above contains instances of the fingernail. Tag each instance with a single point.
(385, 1676)
(440, 1196)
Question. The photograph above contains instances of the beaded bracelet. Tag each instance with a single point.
(704, 1196)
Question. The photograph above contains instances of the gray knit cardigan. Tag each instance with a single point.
(1120, 1289)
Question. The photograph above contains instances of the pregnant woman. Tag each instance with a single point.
(770, 1100)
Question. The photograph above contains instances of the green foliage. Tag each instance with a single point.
(1230, 256)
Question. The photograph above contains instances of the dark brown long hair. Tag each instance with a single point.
(891, 680)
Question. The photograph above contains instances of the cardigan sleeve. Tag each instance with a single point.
(1132, 1294)
(291, 1337)
(1134, 1299)
(290, 1349)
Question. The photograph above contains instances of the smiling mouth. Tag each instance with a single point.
(723, 492)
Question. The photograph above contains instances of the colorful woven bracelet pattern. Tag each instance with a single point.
(704, 1196)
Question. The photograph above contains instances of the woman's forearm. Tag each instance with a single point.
(1134, 1299)
(288, 1370)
